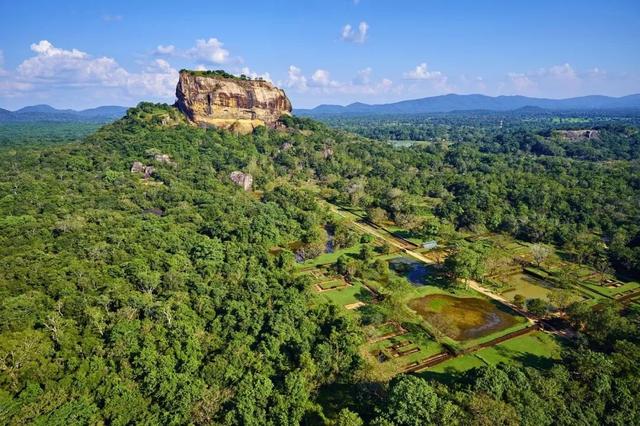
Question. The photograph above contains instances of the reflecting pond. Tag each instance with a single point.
(463, 318)
(416, 272)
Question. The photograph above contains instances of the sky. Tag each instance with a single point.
(82, 54)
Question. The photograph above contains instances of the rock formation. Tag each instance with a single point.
(163, 159)
(244, 180)
(574, 135)
(138, 167)
(215, 98)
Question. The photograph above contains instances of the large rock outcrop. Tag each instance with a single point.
(222, 100)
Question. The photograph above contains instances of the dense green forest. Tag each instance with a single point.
(44, 133)
(159, 299)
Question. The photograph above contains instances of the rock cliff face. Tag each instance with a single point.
(221, 100)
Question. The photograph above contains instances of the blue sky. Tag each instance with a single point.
(82, 54)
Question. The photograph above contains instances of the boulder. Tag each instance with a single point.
(164, 159)
(243, 180)
(137, 167)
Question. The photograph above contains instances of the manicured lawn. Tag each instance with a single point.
(327, 258)
(331, 284)
(346, 296)
(457, 365)
(519, 325)
(536, 349)
(613, 291)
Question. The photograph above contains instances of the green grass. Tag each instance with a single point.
(526, 285)
(328, 258)
(380, 330)
(457, 365)
(331, 284)
(521, 324)
(611, 292)
(346, 296)
(394, 365)
(536, 349)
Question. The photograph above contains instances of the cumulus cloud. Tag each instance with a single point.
(71, 70)
(355, 35)
(209, 51)
(421, 72)
(165, 50)
(322, 78)
(437, 79)
(363, 76)
(562, 72)
(557, 81)
(158, 79)
(295, 79)
(521, 82)
(320, 82)
(59, 66)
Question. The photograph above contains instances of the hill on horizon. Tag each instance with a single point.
(43, 112)
(454, 102)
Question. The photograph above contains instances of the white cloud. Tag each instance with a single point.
(158, 79)
(210, 51)
(54, 69)
(562, 72)
(557, 80)
(320, 82)
(437, 79)
(358, 35)
(421, 72)
(322, 78)
(58, 66)
(295, 79)
(165, 50)
(363, 76)
(521, 82)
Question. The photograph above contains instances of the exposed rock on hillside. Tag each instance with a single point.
(164, 159)
(244, 180)
(221, 100)
(138, 167)
(574, 135)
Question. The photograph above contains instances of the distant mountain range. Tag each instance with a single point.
(450, 103)
(48, 113)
